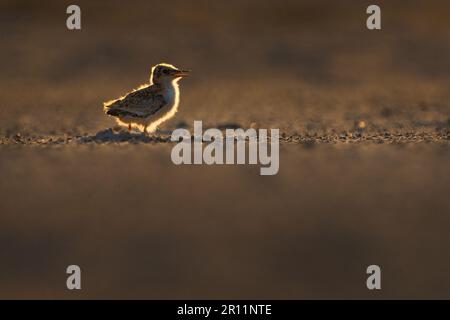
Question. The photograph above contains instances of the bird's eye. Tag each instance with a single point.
(165, 71)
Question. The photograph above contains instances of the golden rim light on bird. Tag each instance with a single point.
(151, 104)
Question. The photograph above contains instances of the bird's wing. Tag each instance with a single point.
(138, 104)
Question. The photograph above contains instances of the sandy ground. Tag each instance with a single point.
(141, 227)
(74, 191)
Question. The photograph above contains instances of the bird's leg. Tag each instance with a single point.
(129, 127)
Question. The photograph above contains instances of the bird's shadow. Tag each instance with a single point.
(118, 135)
(110, 135)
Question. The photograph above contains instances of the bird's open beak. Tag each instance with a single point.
(181, 73)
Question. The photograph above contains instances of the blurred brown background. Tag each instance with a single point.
(141, 227)
(301, 66)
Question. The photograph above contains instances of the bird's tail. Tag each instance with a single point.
(109, 108)
(112, 112)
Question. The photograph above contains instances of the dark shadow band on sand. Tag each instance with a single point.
(110, 136)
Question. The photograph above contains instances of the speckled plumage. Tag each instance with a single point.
(138, 104)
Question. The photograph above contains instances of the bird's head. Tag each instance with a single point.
(163, 73)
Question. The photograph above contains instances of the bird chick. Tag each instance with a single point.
(151, 104)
